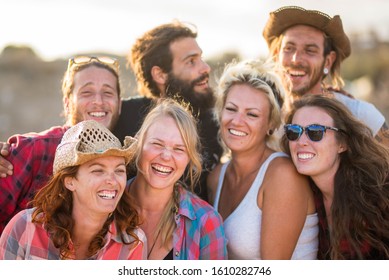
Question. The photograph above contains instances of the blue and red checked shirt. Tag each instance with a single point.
(199, 234)
(24, 240)
(32, 156)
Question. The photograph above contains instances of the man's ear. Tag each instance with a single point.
(330, 60)
(66, 105)
(159, 76)
(120, 106)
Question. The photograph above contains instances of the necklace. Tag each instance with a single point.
(155, 241)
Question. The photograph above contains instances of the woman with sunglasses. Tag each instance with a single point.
(349, 172)
(268, 208)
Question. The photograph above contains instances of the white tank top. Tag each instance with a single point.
(243, 226)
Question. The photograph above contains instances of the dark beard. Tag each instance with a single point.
(184, 91)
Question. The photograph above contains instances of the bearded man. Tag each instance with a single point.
(168, 63)
(309, 46)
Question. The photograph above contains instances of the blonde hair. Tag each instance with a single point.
(259, 75)
(188, 129)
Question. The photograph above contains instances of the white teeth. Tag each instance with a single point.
(162, 169)
(237, 132)
(305, 156)
(107, 194)
(97, 114)
(296, 73)
(204, 82)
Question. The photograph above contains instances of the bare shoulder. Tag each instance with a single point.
(283, 175)
(283, 185)
(212, 182)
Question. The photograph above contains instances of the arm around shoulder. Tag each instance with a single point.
(32, 157)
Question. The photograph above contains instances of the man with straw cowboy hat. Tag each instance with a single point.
(309, 47)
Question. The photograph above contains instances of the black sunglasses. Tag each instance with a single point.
(315, 132)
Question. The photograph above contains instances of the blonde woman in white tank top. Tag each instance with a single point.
(267, 207)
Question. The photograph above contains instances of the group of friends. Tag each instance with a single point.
(277, 163)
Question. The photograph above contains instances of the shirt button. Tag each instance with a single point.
(177, 253)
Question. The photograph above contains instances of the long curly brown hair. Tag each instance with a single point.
(360, 207)
(54, 204)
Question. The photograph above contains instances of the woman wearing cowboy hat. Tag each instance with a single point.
(83, 212)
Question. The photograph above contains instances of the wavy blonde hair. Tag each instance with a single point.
(260, 75)
(187, 126)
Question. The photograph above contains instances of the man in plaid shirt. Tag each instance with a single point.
(91, 90)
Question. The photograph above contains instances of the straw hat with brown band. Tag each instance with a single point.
(88, 140)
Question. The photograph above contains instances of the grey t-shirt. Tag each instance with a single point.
(364, 111)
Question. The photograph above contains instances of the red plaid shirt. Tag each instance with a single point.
(32, 156)
(24, 240)
(199, 234)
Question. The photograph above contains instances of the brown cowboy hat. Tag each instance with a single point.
(288, 16)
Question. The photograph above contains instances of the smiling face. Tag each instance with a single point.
(316, 159)
(245, 118)
(98, 186)
(190, 73)
(164, 156)
(302, 58)
(94, 97)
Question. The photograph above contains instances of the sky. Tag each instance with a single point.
(62, 28)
